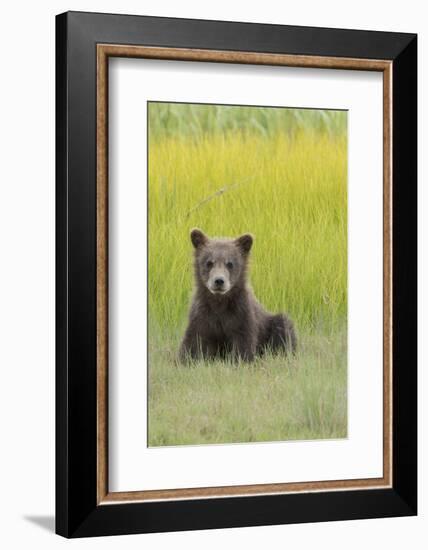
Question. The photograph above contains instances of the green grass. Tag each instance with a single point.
(219, 402)
(196, 121)
(281, 175)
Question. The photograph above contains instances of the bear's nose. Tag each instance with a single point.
(219, 281)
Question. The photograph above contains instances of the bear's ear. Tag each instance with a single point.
(198, 238)
(244, 243)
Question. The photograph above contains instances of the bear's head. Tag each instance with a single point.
(220, 264)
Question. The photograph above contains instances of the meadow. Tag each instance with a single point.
(280, 174)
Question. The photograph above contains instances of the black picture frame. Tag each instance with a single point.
(77, 511)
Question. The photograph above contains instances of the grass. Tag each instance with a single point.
(270, 400)
(281, 175)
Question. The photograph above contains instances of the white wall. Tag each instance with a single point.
(27, 270)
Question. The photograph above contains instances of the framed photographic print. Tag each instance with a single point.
(236, 274)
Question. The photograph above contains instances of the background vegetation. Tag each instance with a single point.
(280, 174)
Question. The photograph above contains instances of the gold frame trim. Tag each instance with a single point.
(104, 51)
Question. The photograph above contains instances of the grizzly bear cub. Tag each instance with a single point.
(225, 317)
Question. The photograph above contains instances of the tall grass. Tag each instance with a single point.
(196, 120)
(281, 175)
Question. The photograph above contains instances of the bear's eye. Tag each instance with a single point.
(209, 264)
(229, 265)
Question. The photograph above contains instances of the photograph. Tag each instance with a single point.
(247, 273)
(212, 285)
(235, 275)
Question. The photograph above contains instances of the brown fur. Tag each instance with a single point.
(225, 318)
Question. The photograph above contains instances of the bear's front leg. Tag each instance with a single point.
(195, 346)
(244, 347)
